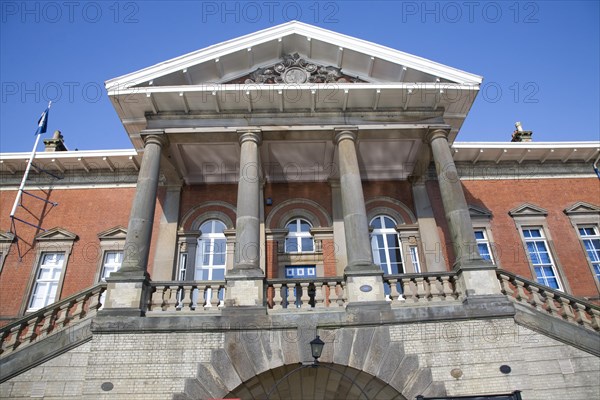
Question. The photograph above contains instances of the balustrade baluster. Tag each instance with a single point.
(581, 316)
(536, 297)
(291, 295)
(521, 294)
(421, 292)
(409, 295)
(305, 298)
(157, 299)
(277, 299)
(319, 297)
(447, 288)
(434, 291)
(595, 318)
(567, 311)
(332, 294)
(171, 298)
(394, 294)
(214, 296)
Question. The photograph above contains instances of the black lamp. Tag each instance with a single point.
(316, 347)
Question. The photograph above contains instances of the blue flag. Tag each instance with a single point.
(43, 121)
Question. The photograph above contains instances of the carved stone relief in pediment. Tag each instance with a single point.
(296, 70)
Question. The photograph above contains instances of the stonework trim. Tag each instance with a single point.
(303, 208)
(194, 217)
(6, 239)
(55, 240)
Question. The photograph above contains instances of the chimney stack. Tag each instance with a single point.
(519, 135)
(57, 143)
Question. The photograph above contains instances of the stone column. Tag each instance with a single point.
(125, 291)
(432, 245)
(476, 275)
(244, 281)
(364, 277)
(165, 253)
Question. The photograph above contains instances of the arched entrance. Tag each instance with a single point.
(327, 382)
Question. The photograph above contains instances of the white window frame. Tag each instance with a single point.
(582, 214)
(114, 266)
(46, 264)
(594, 259)
(296, 235)
(543, 240)
(55, 240)
(385, 232)
(484, 241)
(210, 236)
(414, 258)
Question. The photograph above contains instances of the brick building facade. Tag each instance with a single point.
(275, 177)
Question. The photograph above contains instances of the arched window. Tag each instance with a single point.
(385, 245)
(212, 251)
(299, 238)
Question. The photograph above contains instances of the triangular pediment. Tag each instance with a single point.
(116, 233)
(528, 209)
(236, 58)
(582, 207)
(6, 236)
(56, 234)
(476, 211)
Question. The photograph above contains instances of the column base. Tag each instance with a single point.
(364, 285)
(245, 271)
(126, 294)
(478, 279)
(244, 290)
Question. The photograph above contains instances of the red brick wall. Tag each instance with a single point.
(554, 195)
(85, 212)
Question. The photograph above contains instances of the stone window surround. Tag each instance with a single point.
(584, 214)
(187, 242)
(56, 240)
(537, 219)
(6, 239)
(481, 219)
(408, 236)
(110, 240)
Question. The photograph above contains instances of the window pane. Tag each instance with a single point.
(376, 223)
(392, 240)
(304, 226)
(479, 235)
(218, 274)
(389, 223)
(307, 244)
(291, 245)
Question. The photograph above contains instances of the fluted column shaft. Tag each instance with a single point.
(247, 242)
(139, 230)
(453, 199)
(356, 226)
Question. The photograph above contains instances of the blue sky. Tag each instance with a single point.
(540, 59)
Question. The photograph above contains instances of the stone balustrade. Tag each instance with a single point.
(411, 289)
(182, 296)
(51, 319)
(549, 301)
(306, 294)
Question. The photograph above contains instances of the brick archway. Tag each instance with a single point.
(251, 361)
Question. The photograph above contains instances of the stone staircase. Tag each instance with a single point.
(48, 332)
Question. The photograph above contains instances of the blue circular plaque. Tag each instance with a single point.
(366, 288)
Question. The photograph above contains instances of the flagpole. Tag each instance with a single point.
(25, 176)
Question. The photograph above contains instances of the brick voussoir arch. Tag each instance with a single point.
(236, 369)
(220, 210)
(392, 207)
(303, 208)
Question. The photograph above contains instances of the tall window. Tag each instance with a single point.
(299, 238)
(414, 257)
(212, 250)
(483, 244)
(112, 263)
(47, 279)
(591, 241)
(540, 257)
(385, 245)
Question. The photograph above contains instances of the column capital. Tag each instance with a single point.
(436, 132)
(349, 132)
(154, 136)
(254, 135)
